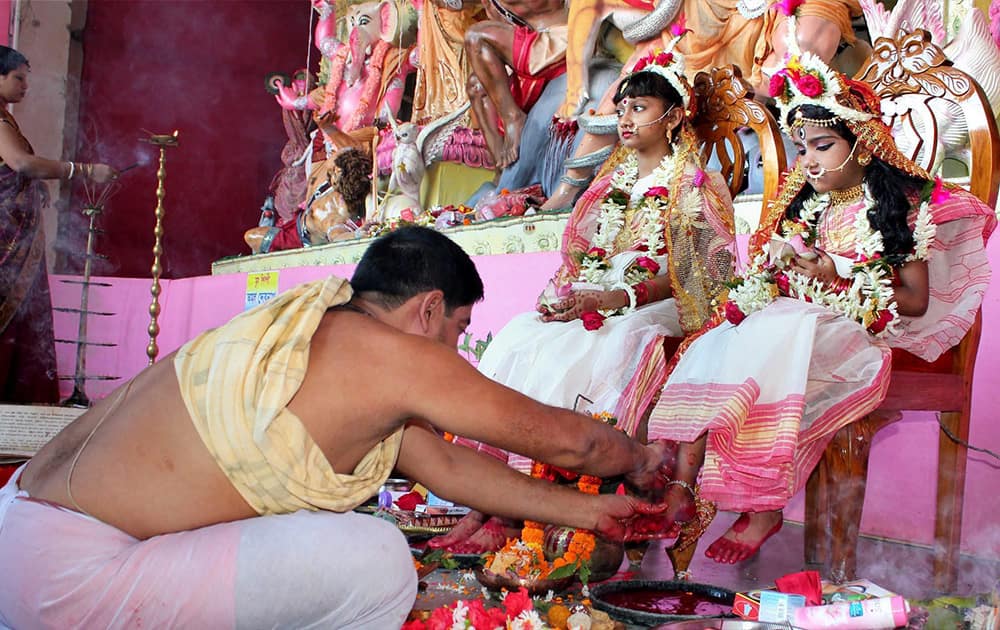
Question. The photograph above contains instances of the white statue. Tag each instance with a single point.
(414, 152)
(972, 50)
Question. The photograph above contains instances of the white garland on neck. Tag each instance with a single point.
(611, 221)
(870, 292)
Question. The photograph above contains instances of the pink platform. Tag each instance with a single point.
(901, 488)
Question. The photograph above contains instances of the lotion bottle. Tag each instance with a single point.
(879, 613)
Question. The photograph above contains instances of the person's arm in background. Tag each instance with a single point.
(35, 167)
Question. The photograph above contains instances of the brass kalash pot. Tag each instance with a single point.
(604, 561)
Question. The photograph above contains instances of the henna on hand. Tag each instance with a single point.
(574, 305)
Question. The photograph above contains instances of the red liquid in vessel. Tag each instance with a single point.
(667, 602)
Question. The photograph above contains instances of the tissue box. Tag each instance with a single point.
(747, 605)
(767, 605)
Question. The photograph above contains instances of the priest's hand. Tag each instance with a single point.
(615, 514)
(656, 468)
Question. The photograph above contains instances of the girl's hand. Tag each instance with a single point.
(574, 305)
(821, 268)
(542, 304)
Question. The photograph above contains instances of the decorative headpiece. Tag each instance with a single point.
(807, 80)
(668, 64)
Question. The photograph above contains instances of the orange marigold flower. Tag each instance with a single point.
(532, 540)
(538, 469)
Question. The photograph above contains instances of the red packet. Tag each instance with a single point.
(805, 583)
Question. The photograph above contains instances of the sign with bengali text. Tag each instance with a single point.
(261, 287)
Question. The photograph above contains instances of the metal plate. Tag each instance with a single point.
(714, 593)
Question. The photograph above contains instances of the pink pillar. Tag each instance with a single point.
(6, 7)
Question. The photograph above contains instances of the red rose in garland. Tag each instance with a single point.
(809, 85)
(648, 264)
(734, 314)
(592, 320)
(777, 85)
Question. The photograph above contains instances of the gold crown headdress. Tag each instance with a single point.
(807, 80)
(668, 64)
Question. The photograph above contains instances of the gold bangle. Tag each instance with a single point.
(683, 484)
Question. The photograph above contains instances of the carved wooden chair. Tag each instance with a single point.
(910, 74)
(725, 105)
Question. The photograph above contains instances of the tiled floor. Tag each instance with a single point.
(902, 568)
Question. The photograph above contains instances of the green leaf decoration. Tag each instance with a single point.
(564, 571)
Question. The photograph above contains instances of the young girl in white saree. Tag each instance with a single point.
(646, 252)
(863, 251)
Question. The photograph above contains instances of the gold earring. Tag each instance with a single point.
(865, 159)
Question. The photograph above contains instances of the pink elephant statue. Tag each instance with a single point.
(325, 35)
(366, 75)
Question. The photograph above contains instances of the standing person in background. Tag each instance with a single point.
(27, 352)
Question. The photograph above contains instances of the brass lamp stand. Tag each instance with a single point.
(163, 141)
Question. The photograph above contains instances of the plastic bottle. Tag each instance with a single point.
(879, 613)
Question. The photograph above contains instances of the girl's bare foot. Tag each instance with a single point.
(490, 537)
(744, 539)
(680, 498)
(664, 520)
(467, 526)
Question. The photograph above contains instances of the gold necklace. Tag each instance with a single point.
(846, 196)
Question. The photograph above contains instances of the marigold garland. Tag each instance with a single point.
(532, 541)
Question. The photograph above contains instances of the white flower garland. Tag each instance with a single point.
(924, 231)
(869, 295)
(757, 289)
(612, 218)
